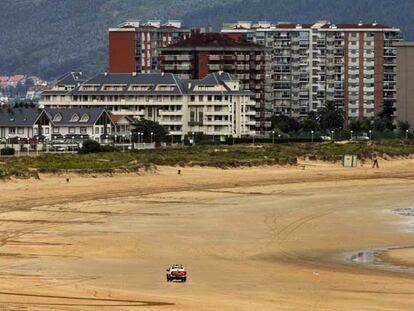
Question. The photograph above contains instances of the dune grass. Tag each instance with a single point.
(213, 156)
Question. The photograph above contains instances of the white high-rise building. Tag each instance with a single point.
(352, 65)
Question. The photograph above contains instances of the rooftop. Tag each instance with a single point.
(146, 83)
(247, 25)
(211, 39)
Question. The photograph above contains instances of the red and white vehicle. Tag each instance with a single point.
(176, 272)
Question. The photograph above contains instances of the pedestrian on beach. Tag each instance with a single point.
(375, 161)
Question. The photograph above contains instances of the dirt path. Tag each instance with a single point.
(252, 239)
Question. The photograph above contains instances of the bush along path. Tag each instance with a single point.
(212, 156)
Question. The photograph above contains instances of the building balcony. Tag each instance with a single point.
(166, 123)
(214, 67)
(170, 113)
(215, 57)
(223, 112)
(216, 123)
(128, 112)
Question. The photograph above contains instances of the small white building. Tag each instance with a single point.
(56, 124)
(23, 123)
(80, 124)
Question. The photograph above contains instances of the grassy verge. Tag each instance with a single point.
(214, 156)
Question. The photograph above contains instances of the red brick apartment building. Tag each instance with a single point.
(134, 45)
(205, 53)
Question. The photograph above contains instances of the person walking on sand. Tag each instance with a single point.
(375, 161)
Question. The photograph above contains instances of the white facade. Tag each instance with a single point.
(352, 65)
(220, 109)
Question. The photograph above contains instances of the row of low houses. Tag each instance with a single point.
(214, 106)
(55, 124)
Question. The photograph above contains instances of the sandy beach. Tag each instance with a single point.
(265, 238)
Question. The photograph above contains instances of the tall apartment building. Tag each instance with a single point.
(352, 65)
(215, 106)
(134, 45)
(405, 82)
(205, 53)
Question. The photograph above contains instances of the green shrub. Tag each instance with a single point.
(91, 146)
(8, 151)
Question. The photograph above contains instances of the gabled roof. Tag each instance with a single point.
(67, 113)
(139, 78)
(116, 118)
(213, 79)
(103, 83)
(19, 117)
(71, 78)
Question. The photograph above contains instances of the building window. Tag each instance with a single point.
(83, 130)
(57, 118)
(85, 118)
(74, 118)
(12, 130)
(20, 130)
(71, 130)
(55, 130)
(46, 130)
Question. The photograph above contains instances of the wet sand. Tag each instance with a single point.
(266, 238)
(399, 257)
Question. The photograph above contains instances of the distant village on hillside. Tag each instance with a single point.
(21, 87)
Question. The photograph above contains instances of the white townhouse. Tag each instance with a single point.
(214, 106)
(56, 124)
(23, 123)
(80, 124)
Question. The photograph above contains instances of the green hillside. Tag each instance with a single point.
(50, 37)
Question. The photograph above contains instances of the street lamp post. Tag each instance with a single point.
(193, 138)
(406, 134)
(18, 144)
(28, 145)
(273, 137)
(138, 139)
(152, 134)
(142, 140)
(312, 132)
(351, 132)
(73, 142)
(332, 134)
(37, 145)
(123, 142)
(370, 135)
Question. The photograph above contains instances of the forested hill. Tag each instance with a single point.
(50, 37)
